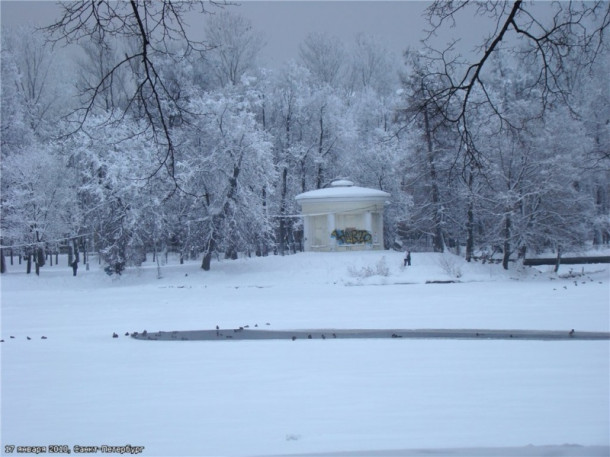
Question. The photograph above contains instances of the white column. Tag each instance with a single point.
(379, 229)
(368, 222)
(330, 226)
(368, 226)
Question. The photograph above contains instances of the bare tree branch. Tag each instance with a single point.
(155, 27)
(563, 45)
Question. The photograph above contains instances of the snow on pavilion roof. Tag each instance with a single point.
(343, 190)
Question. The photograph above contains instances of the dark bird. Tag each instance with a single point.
(267, 323)
(246, 326)
(126, 333)
(294, 338)
(1, 341)
(308, 337)
(572, 332)
(134, 334)
(144, 333)
(28, 338)
(334, 335)
(114, 335)
(217, 327)
(323, 337)
(43, 337)
(12, 337)
(256, 325)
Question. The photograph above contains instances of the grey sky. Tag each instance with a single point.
(286, 23)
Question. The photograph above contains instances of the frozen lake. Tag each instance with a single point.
(389, 396)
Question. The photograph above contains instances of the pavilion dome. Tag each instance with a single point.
(343, 190)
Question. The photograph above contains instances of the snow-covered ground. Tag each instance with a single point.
(81, 387)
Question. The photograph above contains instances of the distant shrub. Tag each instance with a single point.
(449, 265)
(380, 269)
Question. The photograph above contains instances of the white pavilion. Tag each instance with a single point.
(342, 217)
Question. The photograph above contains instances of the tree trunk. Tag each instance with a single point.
(85, 252)
(439, 237)
(282, 244)
(320, 151)
(207, 254)
(76, 258)
(507, 233)
(217, 219)
(156, 259)
(261, 240)
(558, 260)
(469, 232)
(470, 221)
(40, 257)
(38, 260)
(303, 176)
(206, 262)
(2, 262)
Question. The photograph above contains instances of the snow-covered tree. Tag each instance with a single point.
(372, 66)
(325, 57)
(554, 41)
(227, 169)
(36, 198)
(234, 47)
(155, 28)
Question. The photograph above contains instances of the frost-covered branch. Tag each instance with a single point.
(560, 45)
(155, 27)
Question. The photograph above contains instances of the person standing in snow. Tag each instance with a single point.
(74, 265)
(407, 258)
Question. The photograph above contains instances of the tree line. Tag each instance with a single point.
(142, 141)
